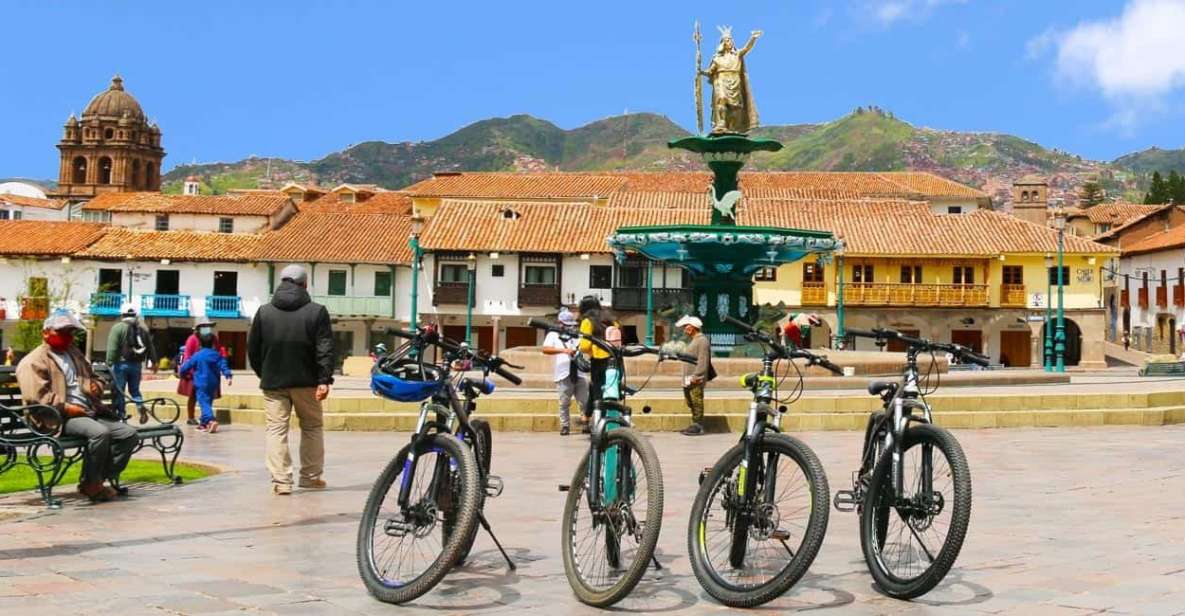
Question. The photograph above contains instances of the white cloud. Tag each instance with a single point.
(962, 39)
(889, 12)
(1134, 60)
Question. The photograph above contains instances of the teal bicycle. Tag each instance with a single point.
(613, 512)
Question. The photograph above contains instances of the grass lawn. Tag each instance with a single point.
(20, 478)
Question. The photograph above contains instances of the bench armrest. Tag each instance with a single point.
(164, 410)
(38, 418)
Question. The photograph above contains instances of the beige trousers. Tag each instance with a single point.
(278, 405)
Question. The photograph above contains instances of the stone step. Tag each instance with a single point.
(734, 422)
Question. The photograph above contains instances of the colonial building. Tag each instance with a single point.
(1099, 219)
(113, 147)
(240, 212)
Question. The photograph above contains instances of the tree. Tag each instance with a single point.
(1091, 194)
(1158, 192)
(1176, 188)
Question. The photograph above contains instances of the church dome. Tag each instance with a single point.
(114, 103)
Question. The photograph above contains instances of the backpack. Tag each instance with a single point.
(133, 347)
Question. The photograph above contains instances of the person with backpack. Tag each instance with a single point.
(594, 320)
(129, 345)
(695, 377)
(569, 382)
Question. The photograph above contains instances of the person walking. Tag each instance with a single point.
(185, 381)
(128, 346)
(57, 374)
(290, 347)
(695, 377)
(569, 383)
(206, 366)
(593, 321)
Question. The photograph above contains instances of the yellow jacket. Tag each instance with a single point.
(588, 348)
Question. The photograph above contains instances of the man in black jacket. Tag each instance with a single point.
(290, 347)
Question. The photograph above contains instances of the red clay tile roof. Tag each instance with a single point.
(580, 185)
(52, 204)
(334, 236)
(121, 243)
(1117, 229)
(242, 204)
(1174, 237)
(391, 202)
(47, 238)
(1115, 213)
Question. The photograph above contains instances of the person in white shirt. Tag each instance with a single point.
(569, 381)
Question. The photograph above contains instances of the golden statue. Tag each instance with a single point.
(733, 110)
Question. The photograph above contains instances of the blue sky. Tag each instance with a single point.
(301, 79)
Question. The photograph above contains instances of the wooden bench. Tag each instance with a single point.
(31, 436)
(1163, 368)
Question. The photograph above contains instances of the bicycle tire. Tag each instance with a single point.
(653, 524)
(734, 595)
(874, 519)
(466, 504)
(484, 435)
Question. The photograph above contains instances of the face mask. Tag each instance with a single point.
(60, 341)
(205, 331)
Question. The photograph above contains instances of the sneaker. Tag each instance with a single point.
(281, 489)
(312, 484)
(203, 428)
(693, 430)
(143, 415)
(212, 427)
(565, 430)
(191, 422)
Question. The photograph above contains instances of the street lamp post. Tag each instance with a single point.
(417, 225)
(1047, 331)
(841, 332)
(650, 302)
(1059, 340)
(471, 265)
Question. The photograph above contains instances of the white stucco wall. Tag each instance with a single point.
(189, 222)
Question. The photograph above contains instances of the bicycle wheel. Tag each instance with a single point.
(483, 435)
(911, 540)
(628, 516)
(402, 555)
(750, 549)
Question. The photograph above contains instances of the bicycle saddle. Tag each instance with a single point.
(877, 388)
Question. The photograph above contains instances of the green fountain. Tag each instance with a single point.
(723, 256)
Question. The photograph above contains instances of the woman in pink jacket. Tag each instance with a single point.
(185, 384)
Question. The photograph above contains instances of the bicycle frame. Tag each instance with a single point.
(608, 413)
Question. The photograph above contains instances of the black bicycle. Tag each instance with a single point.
(422, 514)
(913, 489)
(760, 515)
(613, 512)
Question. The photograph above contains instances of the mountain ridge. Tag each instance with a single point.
(868, 139)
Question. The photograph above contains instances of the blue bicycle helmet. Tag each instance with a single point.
(402, 378)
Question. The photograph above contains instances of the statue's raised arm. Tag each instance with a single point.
(753, 36)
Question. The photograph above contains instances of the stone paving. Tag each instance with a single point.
(1065, 521)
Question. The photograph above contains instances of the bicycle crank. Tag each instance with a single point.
(494, 486)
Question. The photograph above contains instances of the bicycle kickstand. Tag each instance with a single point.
(481, 517)
(657, 565)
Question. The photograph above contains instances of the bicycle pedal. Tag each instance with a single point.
(846, 501)
(704, 474)
(565, 487)
(494, 486)
(780, 535)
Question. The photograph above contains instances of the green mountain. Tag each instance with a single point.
(1153, 159)
(868, 139)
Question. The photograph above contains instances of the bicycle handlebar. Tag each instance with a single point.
(961, 352)
(494, 363)
(813, 359)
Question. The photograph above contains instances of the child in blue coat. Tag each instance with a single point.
(207, 364)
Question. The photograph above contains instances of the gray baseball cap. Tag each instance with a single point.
(61, 319)
(296, 274)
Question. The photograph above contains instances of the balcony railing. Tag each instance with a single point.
(1013, 296)
(634, 298)
(451, 293)
(34, 308)
(342, 305)
(164, 305)
(1142, 297)
(904, 294)
(224, 306)
(1178, 295)
(539, 295)
(814, 294)
(107, 304)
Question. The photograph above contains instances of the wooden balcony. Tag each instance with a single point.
(634, 298)
(1179, 295)
(1162, 297)
(814, 294)
(547, 296)
(450, 293)
(1012, 296)
(1142, 297)
(904, 294)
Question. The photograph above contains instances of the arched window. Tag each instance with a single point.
(1024, 196)
(149, 176)
(136, 174)
(109, 133)
(78, 170)
(104, 170)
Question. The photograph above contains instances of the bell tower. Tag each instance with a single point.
(111, 148)
(1030, 199)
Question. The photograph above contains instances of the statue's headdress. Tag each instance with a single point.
(725, 32)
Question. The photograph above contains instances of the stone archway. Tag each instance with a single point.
(1073, 353)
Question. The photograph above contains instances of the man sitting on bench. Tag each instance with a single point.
(57, 374)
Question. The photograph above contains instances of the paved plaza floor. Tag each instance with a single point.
(1065, 521)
